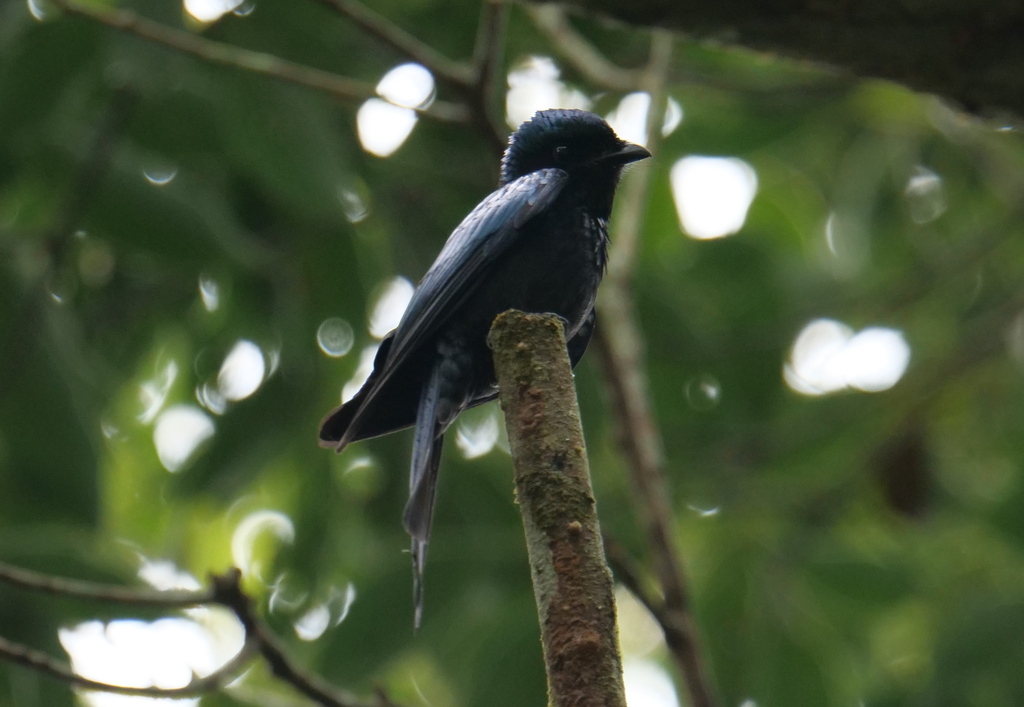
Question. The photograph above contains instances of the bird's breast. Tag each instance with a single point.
(555, 266)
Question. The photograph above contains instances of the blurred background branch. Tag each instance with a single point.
(474, 81)
(584, 56)
(260, 63)
(621, 350)
(956, 50)
(224, 590)
(26, 657)
(405, 44)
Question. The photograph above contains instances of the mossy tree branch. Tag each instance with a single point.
(571, 580)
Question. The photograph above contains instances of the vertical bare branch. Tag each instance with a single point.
(620, 347)
(571, 581)
(487, 55)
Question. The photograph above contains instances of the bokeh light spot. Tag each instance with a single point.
(362, 372)
(165, 575)
(639, 633)
(478, 437)
(629, 119)
(335, 337)
(315, 622)
(209, 291)
(160, 174)
(703, 392)
(877, 357)
(673, 117)
(926, 198)
(383, 126)
(38, 9)
(389, 306)
(242, 372)
(408, 85)
(286, 595)
(827, 356)
(345, 602)
(352, 204)
(534, 85)
(167, 653)
(133, 653)
(311, 625)
(648, 684)
(210, 10)
(179, 431)
(848, 243)
(705, 512)
(712, 194)
(153, 392)
(210, 397)
(1015, 339)
(248, 532)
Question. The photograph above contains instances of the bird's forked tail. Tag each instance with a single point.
(426, 456)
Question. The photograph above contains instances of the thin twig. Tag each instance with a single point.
(401, 41)
(489, 44)
(633, 200)
(487, 55)
(627, 572)
(37, 660)
(251, 696)
(620, 347)
(473, 82)
(94, 591)
(269, 65)
(551, 20)
(225, 590)
(215, 52)
(281, 665)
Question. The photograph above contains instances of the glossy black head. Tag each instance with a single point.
(573, 140)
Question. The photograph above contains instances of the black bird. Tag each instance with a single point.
(537, 244)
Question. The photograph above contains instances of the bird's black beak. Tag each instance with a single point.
(626, 153)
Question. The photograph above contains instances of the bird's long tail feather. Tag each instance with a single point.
(426, 456)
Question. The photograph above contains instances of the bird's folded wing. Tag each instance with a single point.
(482, 237)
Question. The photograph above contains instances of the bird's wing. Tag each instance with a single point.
(479, 240)
(482, 237)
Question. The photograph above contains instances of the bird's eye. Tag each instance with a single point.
(562, 154)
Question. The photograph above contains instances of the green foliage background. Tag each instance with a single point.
(869, 548)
